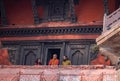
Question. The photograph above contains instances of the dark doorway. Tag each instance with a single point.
(50, 53)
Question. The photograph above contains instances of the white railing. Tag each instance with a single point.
(111, 20)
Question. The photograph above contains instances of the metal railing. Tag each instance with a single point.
(111, 20)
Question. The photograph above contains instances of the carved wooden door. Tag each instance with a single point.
(78, 54)
(30, 54)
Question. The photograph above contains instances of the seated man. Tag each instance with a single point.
(54, 60)
(66, 61)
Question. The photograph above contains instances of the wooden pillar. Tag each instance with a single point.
(35, 13)
(106, 8)
(117, 4)
(42, 53)
(3, 14)
(72, 11)
(106, 12)
(64, 48)
(0, 45)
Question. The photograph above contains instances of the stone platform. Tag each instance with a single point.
(58, 73)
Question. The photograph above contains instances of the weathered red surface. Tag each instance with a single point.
(4, 58)
(50, 37)
(100, 60)
(20, 12)
(55, 73)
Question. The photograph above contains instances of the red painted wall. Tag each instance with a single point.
(20, 11)
(0, 18)
(111, 4)
(50, 37)
(92, 10)
(40, 11)
(89, 10)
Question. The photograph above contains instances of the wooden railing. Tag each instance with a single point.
(58, 73)
(111, 20)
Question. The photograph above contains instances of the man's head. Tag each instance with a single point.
(65, 57)
(54, 56)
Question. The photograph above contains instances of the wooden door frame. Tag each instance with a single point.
(78, 46)
(56, 46)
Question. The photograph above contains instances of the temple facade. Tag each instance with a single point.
(32, 29)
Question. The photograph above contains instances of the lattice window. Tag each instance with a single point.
(57, 10)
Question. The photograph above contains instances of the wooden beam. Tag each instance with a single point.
(3, 13)
(106, 8)
(35, 12)
(72, 11)
(117, 4)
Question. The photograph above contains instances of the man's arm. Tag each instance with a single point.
(57, 62)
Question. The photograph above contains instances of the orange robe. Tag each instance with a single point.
(4, 57)
(54, 62)
(100, 60)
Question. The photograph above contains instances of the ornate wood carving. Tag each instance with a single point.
(13, 54)
(50, 31)
(57, 10)
(30, 58)
(35, 13)
(3, 14)
(78, 53)
(106, 8)
(72, 11)
(29, 54)
(39, 49)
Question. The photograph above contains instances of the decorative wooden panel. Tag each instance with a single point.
(3, 13)
(29, 54)
(57, 10)
(78, 54)
(50, 31)
(13, 54)
(26, 52)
